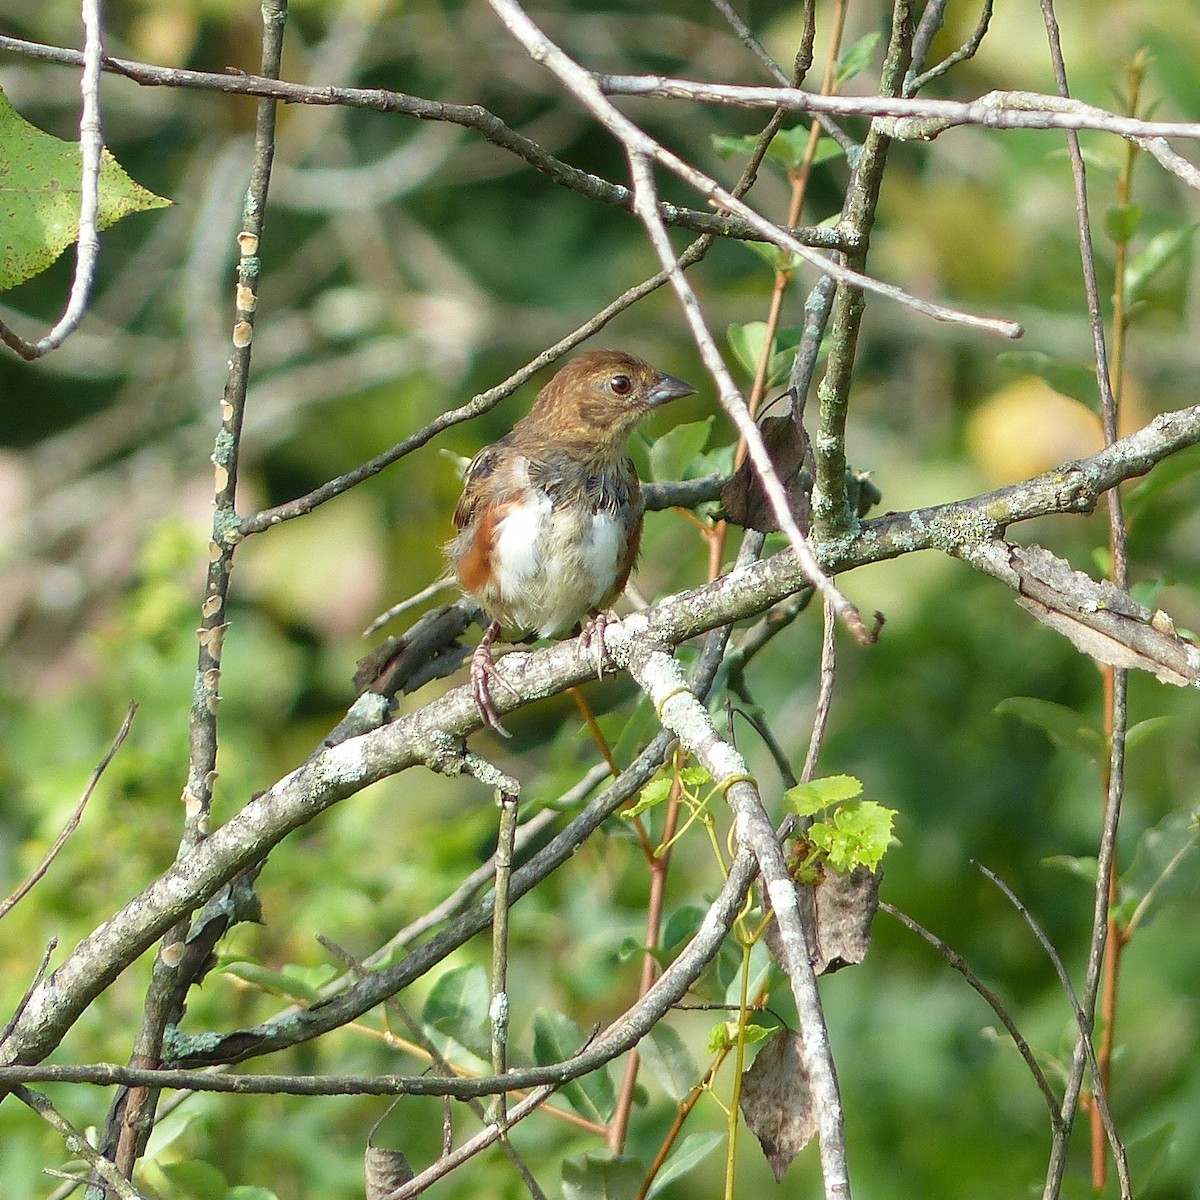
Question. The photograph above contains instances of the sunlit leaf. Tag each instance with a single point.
(40, 194)
(807, 799)
(674, 454)
(856, 834)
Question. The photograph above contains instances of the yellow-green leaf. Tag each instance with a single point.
(40, 192)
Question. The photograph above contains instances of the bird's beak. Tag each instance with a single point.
(667, 387)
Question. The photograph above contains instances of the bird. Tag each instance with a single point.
(550, 519)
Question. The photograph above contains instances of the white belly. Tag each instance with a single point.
(554, 566)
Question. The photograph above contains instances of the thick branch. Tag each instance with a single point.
(432, 736)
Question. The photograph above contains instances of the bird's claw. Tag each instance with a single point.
(591, 637)
(483, 671)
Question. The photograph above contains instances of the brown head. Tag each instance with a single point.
(594, 403)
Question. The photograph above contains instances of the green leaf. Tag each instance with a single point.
(602, 1176)
(1162, 249)
(681, 926)
(634, 729)
(777, 258)
(695, 777)
(278, 983)
(727, 147)
(856, 835)
(654, 793)
(556, 1038)
(194, 1180)
(457, 1007)
(856, 59)
(40, 192)
(789, 146)
(670, 1062)
(1074, 379)
(1148, 1154)
(246, 1192)
(721, 1036)
(746, 341)
(1143, 731)
(760, 967)
(808, 799)
(1122, 222)
(1064, 726)
(1165, 860)
(1165, 476)
(676, 451)
(694, 1149)
(1147, 591)
(1082, 867)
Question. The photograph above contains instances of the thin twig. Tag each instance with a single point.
(1117, 715)
(77, 1143)
(961, 965)
(498, 1010)
(336, 772)
(468, 116)
(832, 513)
(824, 694)
(132, 1116)
(72, 824)
(658, 674)
(1084, 1048)
(427, 593)
(914, 83)
(38, 976)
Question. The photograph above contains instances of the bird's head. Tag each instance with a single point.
(598, 398)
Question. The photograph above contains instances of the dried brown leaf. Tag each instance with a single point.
(837, 914)
(743, 499)
(777, 1100)
(385, 1171)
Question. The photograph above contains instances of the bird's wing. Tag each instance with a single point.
(481, 468)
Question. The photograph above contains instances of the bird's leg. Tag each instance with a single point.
(591, 637)
(483, 671)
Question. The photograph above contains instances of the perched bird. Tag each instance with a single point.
(550, 518)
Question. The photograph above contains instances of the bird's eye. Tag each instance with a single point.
(620, 385)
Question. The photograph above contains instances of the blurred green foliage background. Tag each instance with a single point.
(407, 266)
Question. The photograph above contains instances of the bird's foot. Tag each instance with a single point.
(591, 637)
(483, 671)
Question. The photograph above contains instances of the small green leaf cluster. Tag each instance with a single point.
(849, 833)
